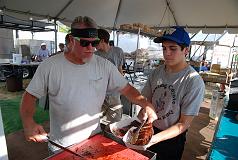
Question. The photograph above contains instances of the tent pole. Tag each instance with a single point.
(199, 46)
(137, 47)
(63, 9)
(117, 32)
(138, 39)
(17, 34)
(55, 35)
(32, 35)
(231, 49)
(213, 44)
(117, 14)
(193, 35)
(172, 12)
(113, 33)
(115, 23)
(189, 54)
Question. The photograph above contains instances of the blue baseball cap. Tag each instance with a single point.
(178, 35)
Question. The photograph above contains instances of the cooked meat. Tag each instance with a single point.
(122, 131)
(145, 134)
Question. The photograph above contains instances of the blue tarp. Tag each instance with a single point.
(225, 142)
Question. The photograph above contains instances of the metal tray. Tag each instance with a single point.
(106, 133)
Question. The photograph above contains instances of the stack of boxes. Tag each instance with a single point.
(216, 75)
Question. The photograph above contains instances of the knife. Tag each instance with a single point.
(64, 148)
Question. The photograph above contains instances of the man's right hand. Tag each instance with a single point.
(35, 132)
(148, 114)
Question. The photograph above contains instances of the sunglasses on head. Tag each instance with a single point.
(85, 43)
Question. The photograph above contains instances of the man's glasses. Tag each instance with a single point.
(85, 43)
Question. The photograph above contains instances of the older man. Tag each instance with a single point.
(76, 82)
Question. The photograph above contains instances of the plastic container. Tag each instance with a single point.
(16, 58)
(115, 129)
(216, 105)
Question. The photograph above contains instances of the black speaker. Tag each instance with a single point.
(233, 95)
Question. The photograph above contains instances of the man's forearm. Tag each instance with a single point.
(171, 132)
(175, 130)
(27, 109)
(134, 96)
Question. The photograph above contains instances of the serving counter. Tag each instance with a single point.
(225, 141)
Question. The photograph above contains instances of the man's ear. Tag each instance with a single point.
(102, 40)
(70, 42)
(186, 51)
(71, 39)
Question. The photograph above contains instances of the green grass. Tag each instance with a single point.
(11, 116)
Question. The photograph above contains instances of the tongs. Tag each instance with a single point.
(136, 131)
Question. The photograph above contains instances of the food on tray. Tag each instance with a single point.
(145, 135)
(120, 132)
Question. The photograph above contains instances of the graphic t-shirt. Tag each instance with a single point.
(174, 93)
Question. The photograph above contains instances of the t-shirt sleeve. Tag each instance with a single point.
(122, 57)
(116, 81)
(193, 98)
(38, 85)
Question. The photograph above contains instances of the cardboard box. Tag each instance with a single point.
(216, 68)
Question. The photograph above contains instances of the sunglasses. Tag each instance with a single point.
(85, 43)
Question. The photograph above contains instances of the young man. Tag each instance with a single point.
(111, 53)
(112, 108)
(61, 47)
(76, 82)
(176, 90)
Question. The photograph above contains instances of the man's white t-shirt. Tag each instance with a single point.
(76, 94)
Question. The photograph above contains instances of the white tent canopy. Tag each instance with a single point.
(213, 16)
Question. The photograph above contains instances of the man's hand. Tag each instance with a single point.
(147, 112)
(135, 97)
(32, 130)
(151, 114)
(35, 133)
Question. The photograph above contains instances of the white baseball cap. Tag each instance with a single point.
(43, 44)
